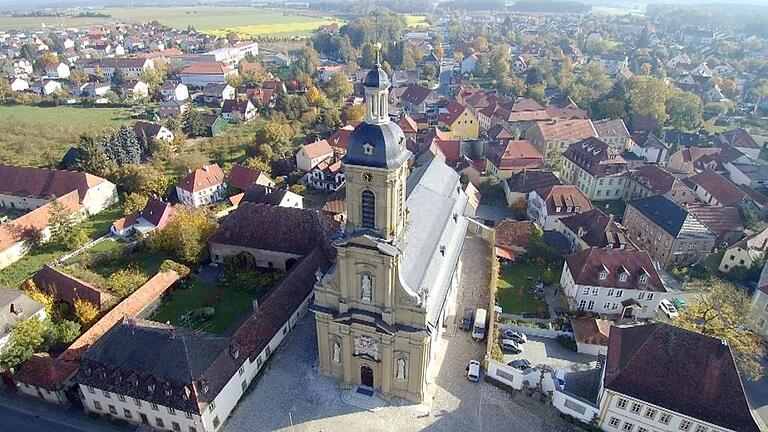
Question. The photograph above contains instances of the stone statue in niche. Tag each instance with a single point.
(336, 353)
(401, 368)
(366, 291)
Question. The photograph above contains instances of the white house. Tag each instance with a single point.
(310, 155)
(199, 74)
(45, 87)
(468, 64)
(203, 186)
(614, 282)
(57, 70)
(548, 204)
(19, 84)
(272, 196)
(746, 252)
(234, 110)
(174, 91)
(15, 306)
(641, 388)
(591, 335)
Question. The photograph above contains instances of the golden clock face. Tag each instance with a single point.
(367, 176)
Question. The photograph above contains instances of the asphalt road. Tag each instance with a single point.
(14, 420)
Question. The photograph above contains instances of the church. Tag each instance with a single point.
(381, 308)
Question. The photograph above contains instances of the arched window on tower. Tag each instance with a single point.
(369, 209)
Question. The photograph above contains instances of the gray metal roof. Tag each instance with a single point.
(435, 235)
(387, 143)
(24, 308)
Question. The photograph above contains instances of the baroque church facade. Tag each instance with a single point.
(381, 308)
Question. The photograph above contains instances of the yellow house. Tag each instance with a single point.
(746, 252)
(461, 121)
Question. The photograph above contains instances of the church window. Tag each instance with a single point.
(368, 209)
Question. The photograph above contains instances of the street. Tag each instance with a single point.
(19, 413)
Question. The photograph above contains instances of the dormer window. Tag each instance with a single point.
(368, 149)
(643, 279)
(558, 209)
(603, 275)
(623, 277)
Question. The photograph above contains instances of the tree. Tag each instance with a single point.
(760, 91)
(144, 180)
(123, 147)
(537, 93)
(722, 312)
(276, 136)
(5, 89)
(499, 60)
(185, 237)
(44, 298)
(92, 157)
(684, 109)
(339, 88)
(354, 113)
(648, 98)
(307, 61)
(25, 340)
(124, 282)
(118, 78)
(194, 124)
(533, 76)
(134, 202)
(259, 164)
(298, 189)
(480, 43)
(78, 76)
(59, 335)
(61, 221)
(315, 96)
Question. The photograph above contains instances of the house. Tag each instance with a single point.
(215, 124)
(671, 234)
(415, 99)
(746, 253)
(202, 73)
(593, 228)
(688, 161)
(649, 147)
(173, 109)
(18, 84)
(327, 176)
(152, 132)
(547, 205)
(753, 175)
(95, 89)
(45, 87)
(742, 141)
(238, 110)
(67, 288)
(216, 94)
(551, 138)
(760, 304)
(339, 139)
(513, 157)
(16, 306)
(724, 222)
(153, 217)
(637, 392)
(613, 62)
(613, 282)
(715, 190)
(591, 335)
(468, 63)
(203, 186)
(596, 168)
(651, 180)
(174, 91)
(518, 186)
(57, 70)
(28, 188)
(134, 89)
(132, 68)
(261, 194)
(244, 178)
(513, 238)
(614, 133)
(310, 155)
(459, 120)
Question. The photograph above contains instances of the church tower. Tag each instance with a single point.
(376, 165)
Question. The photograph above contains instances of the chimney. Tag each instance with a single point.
(205, 168)
(16, 309)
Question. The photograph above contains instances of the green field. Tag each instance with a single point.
(514, 283)
(36, 136)
(246, 21)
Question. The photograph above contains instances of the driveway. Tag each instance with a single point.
(540, 350)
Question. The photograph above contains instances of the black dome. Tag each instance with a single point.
(376, 77)
(387, 146)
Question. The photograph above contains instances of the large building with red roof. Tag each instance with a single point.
(206, 185)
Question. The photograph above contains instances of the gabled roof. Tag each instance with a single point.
(149, 130)
(264, 195)
(596, 157)
(586, 265)
(657, 179)
(68, 288)
(719, 220)
(611, 128)
(340, 139)
(672, 218)
(202, 178)
(725, 192)
(243, 177)
(36, 220)
(642, 359)
(592, 331)
(518, 154)
(415, 94)
(408, 125)
(528, 181)
(15, 306)
(206, 68)
(44, 183)
(317, 149)
(566, 130)
(157, 212)
(512, 233)
(739, 138)
(564, 197)
(596, 229)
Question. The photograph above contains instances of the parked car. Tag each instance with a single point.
(511, 346)
(466, 321)
(473, 370)
(515, 335)
(521, 364)
(478, 328)
(679, 302)
(668, 308)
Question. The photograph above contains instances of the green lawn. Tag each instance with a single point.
(30, 264)
(246, 21)
(35, 136)
(614, 207)
(513, 295)
(229, 304)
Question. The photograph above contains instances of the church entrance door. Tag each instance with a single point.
(366, 376)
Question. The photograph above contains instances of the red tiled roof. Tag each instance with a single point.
(206, 68)
(725, 192)
(317, 149)
(566, 130)
(564, 196)
(642, 358)
(592, 331)
(512, 233)
(44, 183)
(451, 149)
(340, 138)
(36, 220)
(408, 125)
(596, 157)
(720, 220)
(455, 110)
(202, 178)
(585, 267)
(519, 154)
(157, 212)
(243, 177)
(68, 288)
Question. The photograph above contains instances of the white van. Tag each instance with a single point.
(478, 330)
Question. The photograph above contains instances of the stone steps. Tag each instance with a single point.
(368, 403)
